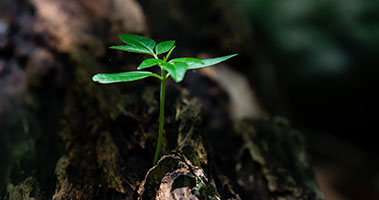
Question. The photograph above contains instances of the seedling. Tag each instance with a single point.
(176, 68)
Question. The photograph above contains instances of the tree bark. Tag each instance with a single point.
(108, 132)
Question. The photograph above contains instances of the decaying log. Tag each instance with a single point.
(109, 131)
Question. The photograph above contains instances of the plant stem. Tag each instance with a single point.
(161, 117)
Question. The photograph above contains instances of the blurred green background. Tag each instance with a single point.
(325, 54)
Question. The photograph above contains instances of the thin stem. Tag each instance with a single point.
(157, 76)
(168, 54)
(161, 117)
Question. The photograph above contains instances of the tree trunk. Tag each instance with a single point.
(91, 141)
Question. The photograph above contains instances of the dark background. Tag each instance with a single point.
(313, 62)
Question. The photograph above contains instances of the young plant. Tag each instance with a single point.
(176, 68)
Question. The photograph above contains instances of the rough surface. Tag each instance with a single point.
(175, 177)
(279, 153)
(26, 190)
(179, 175)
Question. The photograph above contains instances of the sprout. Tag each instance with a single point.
(176, 68)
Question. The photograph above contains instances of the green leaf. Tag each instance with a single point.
(138, 41)
(149, 63)
(186, 60)
(121, 77)
(177, 70)
(164, 47)
(130, 48)
(209, 62)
